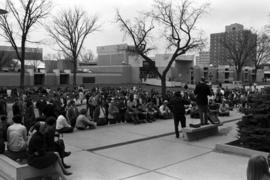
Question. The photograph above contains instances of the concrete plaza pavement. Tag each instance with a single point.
(151, 151)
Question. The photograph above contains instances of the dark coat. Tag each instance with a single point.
(177, 106)
(50, 110)
(49, 135)
(3, 107)
(41, 104)
(38, 157)
(29, 117)
(17, 108)
(201, 91)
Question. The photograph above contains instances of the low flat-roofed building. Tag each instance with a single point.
(30, 53)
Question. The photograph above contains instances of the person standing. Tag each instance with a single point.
(177, 106)
(3, 107)
(17, 107)
(72, 113)
(29, 115)
(113, 112)
(202, 90)
(40, 105)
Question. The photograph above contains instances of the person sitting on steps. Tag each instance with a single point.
(40, 158)
(17, 135)
(52, 144)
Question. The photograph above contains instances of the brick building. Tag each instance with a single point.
(203, 60)
(233, 34)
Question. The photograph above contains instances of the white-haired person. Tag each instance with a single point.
(164, 110)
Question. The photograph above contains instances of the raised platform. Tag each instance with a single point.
(191, 134)
(10, 169)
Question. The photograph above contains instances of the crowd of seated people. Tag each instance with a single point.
(113, 105)
(103, 106)
(60, 111)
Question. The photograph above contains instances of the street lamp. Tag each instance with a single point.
(2, 11)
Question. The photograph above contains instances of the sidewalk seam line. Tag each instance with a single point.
(129, 142)
(111, 158)
(150, 171)
(193, 157)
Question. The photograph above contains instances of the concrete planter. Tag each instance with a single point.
(10, 169)
(226, 148)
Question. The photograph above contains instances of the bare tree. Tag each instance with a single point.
(87, 56)
(263, 51)
(36, 61)
(240, 51)
(26, 13)
(70, 29)
(35, 64)
(179, 26)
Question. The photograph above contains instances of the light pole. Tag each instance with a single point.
(2, 11)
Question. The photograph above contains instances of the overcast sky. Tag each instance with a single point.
(250, 13)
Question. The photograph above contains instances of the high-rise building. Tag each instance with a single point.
(203, 60)
(219, 55)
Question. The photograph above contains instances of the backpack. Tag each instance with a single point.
(213, 119)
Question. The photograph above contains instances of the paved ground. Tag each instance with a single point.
(151, 151)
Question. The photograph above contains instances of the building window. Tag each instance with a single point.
(89, 80)
(64, 79)
(39, 79)
(227, 75)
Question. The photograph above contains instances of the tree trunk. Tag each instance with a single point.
(238, 75)
(22, 75)
(163, 86)
(22, 62)
(255, 73)
(74, 73)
